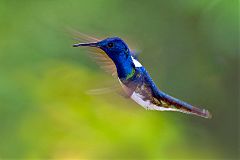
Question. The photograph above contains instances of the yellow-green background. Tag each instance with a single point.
(190, 48)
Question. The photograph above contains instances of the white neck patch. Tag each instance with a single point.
(136, 63)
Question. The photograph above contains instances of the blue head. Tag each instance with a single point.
(114, 47)
(118, 51)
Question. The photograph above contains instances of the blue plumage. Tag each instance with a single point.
(137, 83)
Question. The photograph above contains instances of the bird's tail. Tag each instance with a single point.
(180, 106)
(196, 111)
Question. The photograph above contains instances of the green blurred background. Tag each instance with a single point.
(189, 47)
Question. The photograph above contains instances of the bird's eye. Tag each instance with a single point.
(110, 45)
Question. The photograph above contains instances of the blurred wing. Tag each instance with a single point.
(82, 37)
(105, 90)
(99, 56)
(102, 59)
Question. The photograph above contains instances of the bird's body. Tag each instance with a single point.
(137, 83)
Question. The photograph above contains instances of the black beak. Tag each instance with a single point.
(94, 44)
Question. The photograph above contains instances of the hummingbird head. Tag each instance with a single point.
(114, 47)
(118, 51)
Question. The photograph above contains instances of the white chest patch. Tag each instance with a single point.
(147, 104)
(136, 63)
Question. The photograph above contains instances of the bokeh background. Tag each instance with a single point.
(189, 47)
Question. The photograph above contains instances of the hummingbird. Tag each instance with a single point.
(134, 79)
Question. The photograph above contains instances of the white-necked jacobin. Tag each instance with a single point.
(135, 80)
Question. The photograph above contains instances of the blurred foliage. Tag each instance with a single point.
(189, 47)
